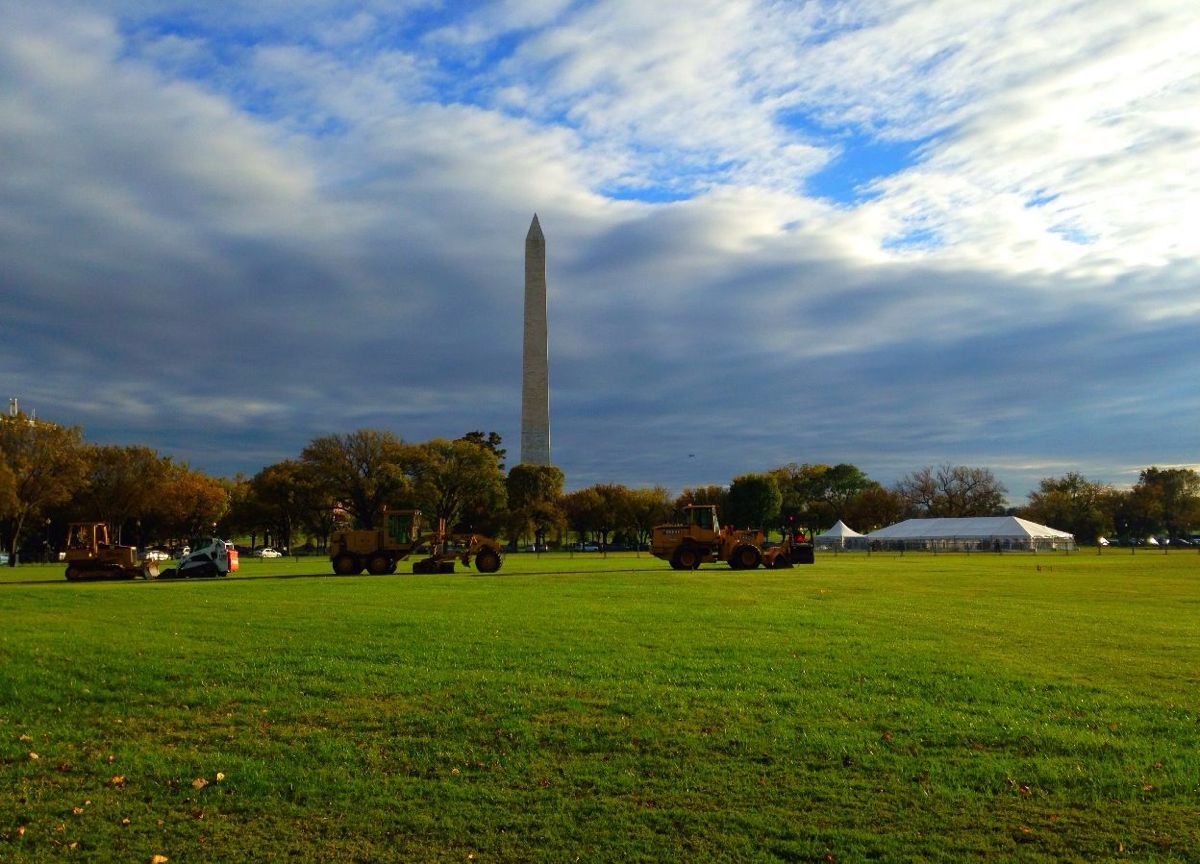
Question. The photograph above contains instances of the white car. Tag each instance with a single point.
(268, 552)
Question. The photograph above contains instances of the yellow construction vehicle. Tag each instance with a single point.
(398, 535)
(90, 555)
(701, 539)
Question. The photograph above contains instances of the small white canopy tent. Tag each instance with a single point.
(840, 536)
(982, 533)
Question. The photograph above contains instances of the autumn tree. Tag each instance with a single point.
(1071, 503)
(362, 471)
(952, 491)
(190, 502)
(47, 466)
(754, 501)
(817, 495)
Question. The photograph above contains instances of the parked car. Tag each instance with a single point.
(268, 552)
(3, 558)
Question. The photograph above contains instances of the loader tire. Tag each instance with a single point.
(745, 558)
(783, 562)
(487, 561)
(378, 564)
(74, 574)
(346, 564)
(688, 558)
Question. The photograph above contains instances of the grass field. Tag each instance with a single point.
(882, 708)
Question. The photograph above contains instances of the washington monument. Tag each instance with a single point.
(535, 368)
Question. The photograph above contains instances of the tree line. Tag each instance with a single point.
(50, 475)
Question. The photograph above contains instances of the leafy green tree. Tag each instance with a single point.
(583, 509)
(122, 485)
(361, 471)
(452, 477)
(952, 491)
(754, 501)
(1071, 503)
(491, 441)
(873, 508)
(281, 500)
(1176, 496)
(718, 495)
(817, 495)
(534, 492)
(645, 508)
(47, 466)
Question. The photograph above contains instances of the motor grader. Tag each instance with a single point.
(701, 539)
(399, 533)
(90, 555)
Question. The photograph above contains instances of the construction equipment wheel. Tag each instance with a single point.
(74, 574)
(487, 561)
(688, 558)
(346, 564)
(745, 558)
(379, 564)
(425, 565)
(783, 562)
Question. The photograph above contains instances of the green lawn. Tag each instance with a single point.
(882, 708)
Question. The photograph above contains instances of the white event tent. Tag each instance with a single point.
(840, 536)
(977, 533)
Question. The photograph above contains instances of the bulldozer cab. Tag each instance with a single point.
(87, 536)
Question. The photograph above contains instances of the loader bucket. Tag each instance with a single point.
(149, 570)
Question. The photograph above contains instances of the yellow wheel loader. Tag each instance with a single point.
(90, 555)
(399, 534)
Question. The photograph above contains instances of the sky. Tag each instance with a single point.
(889, 233)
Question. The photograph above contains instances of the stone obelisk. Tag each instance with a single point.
(535, 367)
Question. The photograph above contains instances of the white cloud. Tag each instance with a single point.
(325, 226)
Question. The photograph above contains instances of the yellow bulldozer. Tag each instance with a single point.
(90, 555)
(701, 539)
(399, 533)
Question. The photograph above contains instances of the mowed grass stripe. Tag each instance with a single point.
(946, 707)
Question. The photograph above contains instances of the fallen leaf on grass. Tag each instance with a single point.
(117, 780)
(25, 738)
(77, 810)
(220, 776)
(20, 831)
(33, 756)
(1024, 790)
(159, 859)
(125, 820)
(199, 783)
(64, 767)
